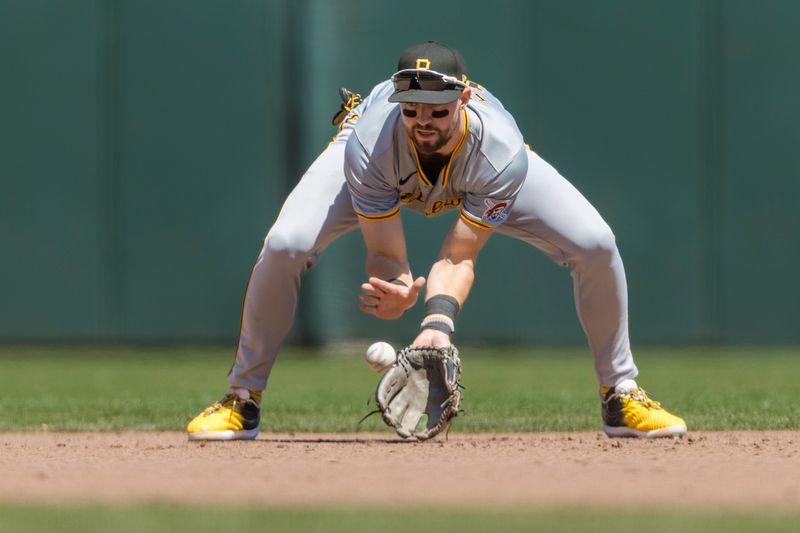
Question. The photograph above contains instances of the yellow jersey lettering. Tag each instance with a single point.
(440, 205)
(408, 197)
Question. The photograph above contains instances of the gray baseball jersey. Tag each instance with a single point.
(482, 178)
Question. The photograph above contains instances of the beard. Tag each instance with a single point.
(431, 143)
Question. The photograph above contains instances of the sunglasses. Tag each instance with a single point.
(426, 80)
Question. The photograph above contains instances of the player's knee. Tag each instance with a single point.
(597, 244)
(605, 240)
(287, 246)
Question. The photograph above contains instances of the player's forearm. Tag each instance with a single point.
(386, 250)
(449, 283)
(454, 272)
(387, 267)
(452, 278)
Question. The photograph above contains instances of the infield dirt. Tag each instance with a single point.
(736, 469)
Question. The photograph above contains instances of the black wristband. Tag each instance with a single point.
(439, 325)
(442, 304)
(440, 313)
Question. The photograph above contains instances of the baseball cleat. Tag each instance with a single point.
(629, 412)
(232, 418)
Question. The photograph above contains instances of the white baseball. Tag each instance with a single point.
(381, 356)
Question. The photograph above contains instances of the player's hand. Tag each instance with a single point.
(431, 337)
(387, 300)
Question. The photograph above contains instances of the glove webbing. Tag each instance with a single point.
(350, 101)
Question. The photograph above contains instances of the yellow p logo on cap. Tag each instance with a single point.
(424, 64)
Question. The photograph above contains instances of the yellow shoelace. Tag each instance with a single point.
(640, 395)
(229, 399)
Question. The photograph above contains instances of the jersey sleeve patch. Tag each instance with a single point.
(495, 212)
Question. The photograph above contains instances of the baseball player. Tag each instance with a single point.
(431, 141)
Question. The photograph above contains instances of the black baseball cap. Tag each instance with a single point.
(429, 73)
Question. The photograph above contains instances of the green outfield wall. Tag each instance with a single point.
(147, 145)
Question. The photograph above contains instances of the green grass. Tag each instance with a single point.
(327, 391)
(507, 390)
(128, 519)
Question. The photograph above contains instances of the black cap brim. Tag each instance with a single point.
(417, 96)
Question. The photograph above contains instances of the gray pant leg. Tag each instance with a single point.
(553, 216)
(317, 211)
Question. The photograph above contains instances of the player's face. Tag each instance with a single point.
(431, 126)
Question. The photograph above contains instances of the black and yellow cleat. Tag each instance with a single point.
(350, 101)
(234, 417)
(629, 412)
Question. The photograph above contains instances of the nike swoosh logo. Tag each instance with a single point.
(405, 180)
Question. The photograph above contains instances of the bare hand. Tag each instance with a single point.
(431, 337)
(386, 300)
